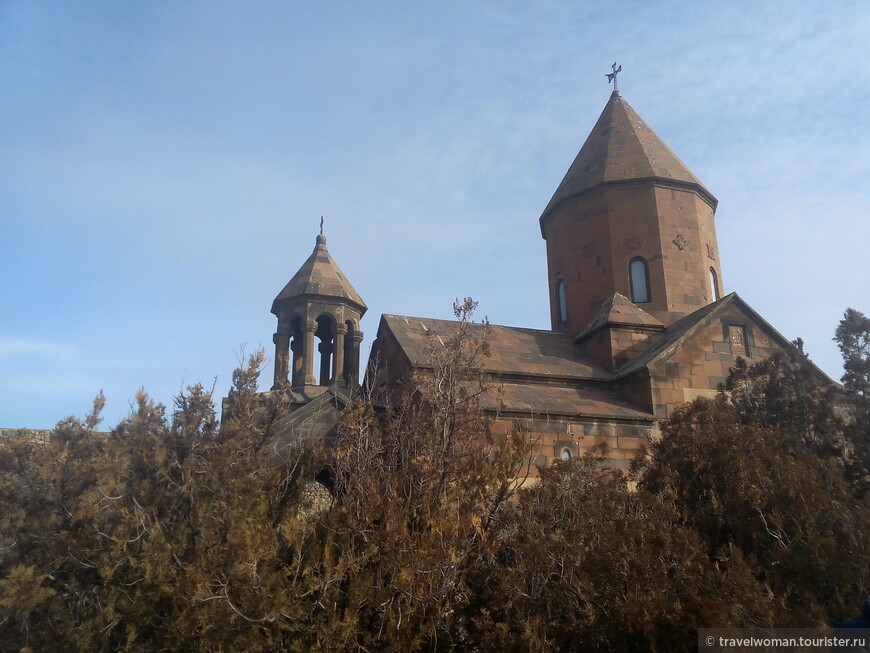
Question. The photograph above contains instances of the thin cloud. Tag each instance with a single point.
(17, 348)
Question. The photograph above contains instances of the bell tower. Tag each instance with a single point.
(317, 304)
(630, 218)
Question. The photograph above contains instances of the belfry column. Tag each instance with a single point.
(308, 352)
(325, 349)
(352, 366)
(338, 366)
(282, 356)
(298, 371)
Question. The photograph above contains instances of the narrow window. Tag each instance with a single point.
(563, 305)
(714, 285)
(566, 454)
(638, 273)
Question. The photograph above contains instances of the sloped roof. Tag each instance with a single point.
(618, 310)
(564, 401)
(538, 372)
(319, 276)
(546, 373)
(673, 336)
(316, 421)
(622, 147)
(682, 331)
(512, 350)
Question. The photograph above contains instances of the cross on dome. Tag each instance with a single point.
(611, 77)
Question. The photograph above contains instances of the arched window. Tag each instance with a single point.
(714, 285)
(563, 304)
(638, 274)
(566, 454)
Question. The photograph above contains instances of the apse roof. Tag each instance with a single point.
(319, 276)
(622, 147)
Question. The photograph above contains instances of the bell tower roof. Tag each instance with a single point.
(319, 276)
(620, 148)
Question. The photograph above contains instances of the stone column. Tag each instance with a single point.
(282, 355)
(338, 361)
(351, 367)
(298, 371)
(308, 352)
(325, 349)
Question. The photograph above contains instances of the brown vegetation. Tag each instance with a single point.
(174, 533)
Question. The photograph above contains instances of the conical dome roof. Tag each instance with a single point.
(622, 147)
(319, 276)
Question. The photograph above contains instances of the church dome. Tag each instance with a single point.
(622, 147)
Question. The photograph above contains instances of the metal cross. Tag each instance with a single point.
(611, 77)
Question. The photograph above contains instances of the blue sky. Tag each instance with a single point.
(165, 166)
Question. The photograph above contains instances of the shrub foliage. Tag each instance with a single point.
(173, 532)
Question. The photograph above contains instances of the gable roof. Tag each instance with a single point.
(319, 276)
(513, 351)
(684, 329)
(622, 147)
(539, 373)
(316, 421)
(618, 310)
(546, 373)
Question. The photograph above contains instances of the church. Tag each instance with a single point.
(639, 320)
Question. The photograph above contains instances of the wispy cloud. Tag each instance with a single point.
(22, 349)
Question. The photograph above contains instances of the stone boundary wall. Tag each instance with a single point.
(43, 436)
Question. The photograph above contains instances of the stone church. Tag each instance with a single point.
(639, 321)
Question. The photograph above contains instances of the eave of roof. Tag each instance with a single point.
(543, 401)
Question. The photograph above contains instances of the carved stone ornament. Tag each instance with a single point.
(681, 242)
(634, 242)
(737, 336)
(711, 253)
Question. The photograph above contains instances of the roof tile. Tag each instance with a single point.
(319, 276)
(622, 147)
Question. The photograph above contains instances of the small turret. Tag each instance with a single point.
(318, 302)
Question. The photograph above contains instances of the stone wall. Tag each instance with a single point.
(41, 436)
(550, 437)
